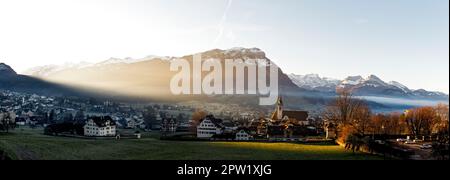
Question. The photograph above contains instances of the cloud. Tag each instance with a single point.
(222, 23)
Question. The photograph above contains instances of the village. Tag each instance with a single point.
(80, 118)
(86, 117)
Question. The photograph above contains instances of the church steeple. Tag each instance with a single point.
(277, 115)
(279, 109)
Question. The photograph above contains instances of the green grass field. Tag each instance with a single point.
(28, 144)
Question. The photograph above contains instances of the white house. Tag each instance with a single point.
(100, 127)
(169, 125)
(209, 127)
(242, 135)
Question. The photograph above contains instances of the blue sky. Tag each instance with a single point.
(402, 40)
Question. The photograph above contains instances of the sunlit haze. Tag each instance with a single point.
(401, 40)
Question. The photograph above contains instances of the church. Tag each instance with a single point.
(284, 124)
(293, 117)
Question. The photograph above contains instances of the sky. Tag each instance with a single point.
(401, 40)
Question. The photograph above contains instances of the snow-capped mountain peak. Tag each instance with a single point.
(245, 53)
(152, 57)
(313, 81)
(375, 81)
(113, 60)
(400, 86)
(243, 50)
(353, 80)
(374, 78)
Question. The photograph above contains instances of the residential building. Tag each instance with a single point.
(156, 123)
(243, 135)
(169, 125)
(209, 127)
(100, 127)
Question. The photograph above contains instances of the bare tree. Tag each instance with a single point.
(442, 113)
(346, 110)
(361, 119)
(394, 125)
(388, 124)
(421, 121)
(379, 122)
(351, 119)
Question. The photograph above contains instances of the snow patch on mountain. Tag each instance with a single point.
(352, 80)
(239, 52)
(374, 81)
(130, 60)
(425, 93)
(44, 71)
(400, 86)
(313, 81)
(243, 50)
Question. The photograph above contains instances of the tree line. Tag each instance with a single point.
(355, 124)
(352, 115)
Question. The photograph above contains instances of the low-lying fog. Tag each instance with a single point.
(401, 101)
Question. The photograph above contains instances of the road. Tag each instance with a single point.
(420, 154)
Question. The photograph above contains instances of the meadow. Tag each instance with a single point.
(31, 144)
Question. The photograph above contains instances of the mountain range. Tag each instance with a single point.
(10, 80)
(149, 78)
(370, 86)
(144, 77)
